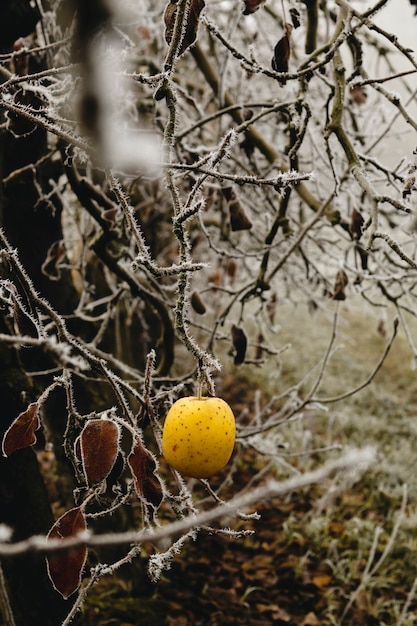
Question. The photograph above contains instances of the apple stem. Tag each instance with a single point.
(199, 389)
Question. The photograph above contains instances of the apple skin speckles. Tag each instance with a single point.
(198, 436)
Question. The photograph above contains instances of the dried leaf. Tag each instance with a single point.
(408, 186)
(215, 279)
(240, 343)
(356, 224)
(19, 64)
(197, 303)
(295, 17)
(65, 568)
(259, 347)
(340, 285)
(251, 6)
(98, 448)
(271, 307)
(358, 94)
(322, 580)
(282, 52)
(21, 433)
(238, 218)
(231, 270)
(143, 465)
(191, 25)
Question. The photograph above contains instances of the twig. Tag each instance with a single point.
(368, 380)
(354, 458)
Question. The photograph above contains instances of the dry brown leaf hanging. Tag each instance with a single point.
(238, 218)
(282, 53)
(358, 94)
(231, 270)
(251, 6)
(259, 347)
(240, 343)
(295, 17)
(356, 224)
(98, 448)
(191, 25)
(65, 568)
(21, 433)
(340, 285)
(143, 465)
(197, 303)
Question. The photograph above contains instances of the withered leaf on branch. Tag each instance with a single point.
(21, 433)
(197, 303)
(356, 224)
(231, 270)
(252, 5)
(191, 26)
(358, 94)
(238, 218)
(65, 568)
(98, 448)
(340, 285)
(259, 347)
(282, 52)
(408, 186)
(143, 465)
(295, 17)
(240, 343)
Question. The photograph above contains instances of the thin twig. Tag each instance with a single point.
(354, 458)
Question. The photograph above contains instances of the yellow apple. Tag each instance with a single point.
(198, 436)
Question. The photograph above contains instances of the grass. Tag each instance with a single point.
(373, 524)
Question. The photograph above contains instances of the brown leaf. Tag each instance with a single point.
(251, 6)
(19, 64)
(358, 94)
(259, 347)
(409, 183)
(143, 465)
(295, 17)
(98, 448)
(65, 568)
(340, 285)
(21, 433)
(282, 52)
(238, 218)
(271, 307)
(191, 25)
(322, 580)
(356, 224)
(231, 270)
(240, 343)
(197, 303)
(215, 279)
